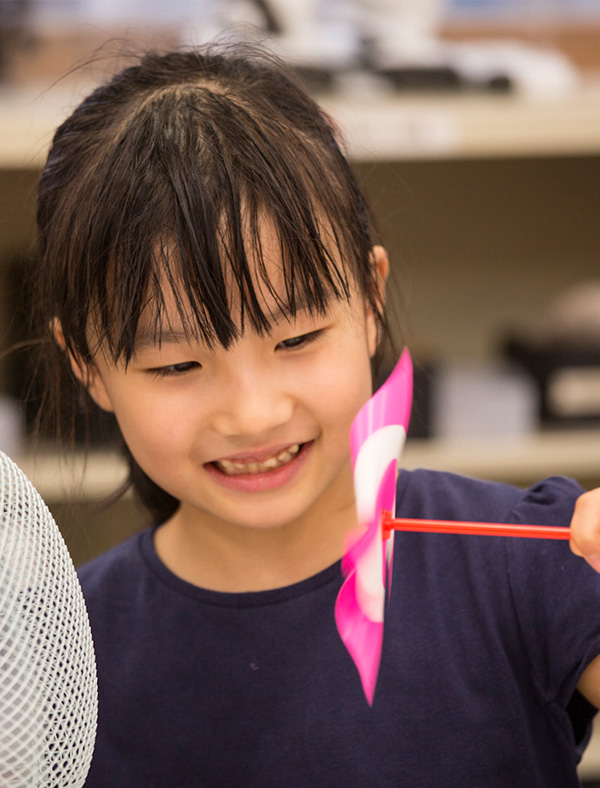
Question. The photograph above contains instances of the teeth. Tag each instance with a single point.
(232, 468)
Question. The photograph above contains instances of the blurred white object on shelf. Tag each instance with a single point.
(535, 71)
(317, 33)
(471, 400)
(403, 30)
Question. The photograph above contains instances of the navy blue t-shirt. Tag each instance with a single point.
(485, 641)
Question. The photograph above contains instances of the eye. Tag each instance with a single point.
(294, 343)
(174, 370)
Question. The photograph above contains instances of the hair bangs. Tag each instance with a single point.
(224, 185)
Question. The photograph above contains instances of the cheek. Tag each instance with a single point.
(342, 388)
(150, 427)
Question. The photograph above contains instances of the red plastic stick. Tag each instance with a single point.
(483, 529)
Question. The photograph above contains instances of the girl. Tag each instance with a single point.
(208, 272)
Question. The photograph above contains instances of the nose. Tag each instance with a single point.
(254, 402)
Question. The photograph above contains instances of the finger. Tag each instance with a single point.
(585, 528)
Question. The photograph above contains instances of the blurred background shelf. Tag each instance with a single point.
(519, 461)
(382, 128)
(376, 126)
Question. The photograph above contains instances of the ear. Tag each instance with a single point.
(380, 261)
(85, 372)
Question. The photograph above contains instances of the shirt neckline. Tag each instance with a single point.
(328, 575)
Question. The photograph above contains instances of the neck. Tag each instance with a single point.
(231, 558)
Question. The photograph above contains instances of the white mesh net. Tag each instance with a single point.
(48, 688)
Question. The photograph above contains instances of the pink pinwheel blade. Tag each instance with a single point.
(362, 637)
(389, 406)
(376, 439)
(359, 609)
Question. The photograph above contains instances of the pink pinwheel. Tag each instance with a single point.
(376, 440)
(377, 437)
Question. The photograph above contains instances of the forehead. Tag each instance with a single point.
(270, 285)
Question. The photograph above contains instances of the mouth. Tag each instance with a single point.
(254, 465)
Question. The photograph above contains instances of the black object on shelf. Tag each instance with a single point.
(567, 375)
(441, 79)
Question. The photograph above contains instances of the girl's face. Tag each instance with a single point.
(255, 436)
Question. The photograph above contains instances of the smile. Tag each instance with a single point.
(253, 466)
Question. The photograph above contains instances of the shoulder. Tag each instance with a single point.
(448, 496)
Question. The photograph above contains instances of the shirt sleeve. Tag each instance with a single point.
(555, 593)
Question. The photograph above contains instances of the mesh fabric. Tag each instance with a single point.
(48, 689)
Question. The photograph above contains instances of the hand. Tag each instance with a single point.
(585, 528)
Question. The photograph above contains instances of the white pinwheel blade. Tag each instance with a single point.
(48, 686)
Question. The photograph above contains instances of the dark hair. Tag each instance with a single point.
(168, 170)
